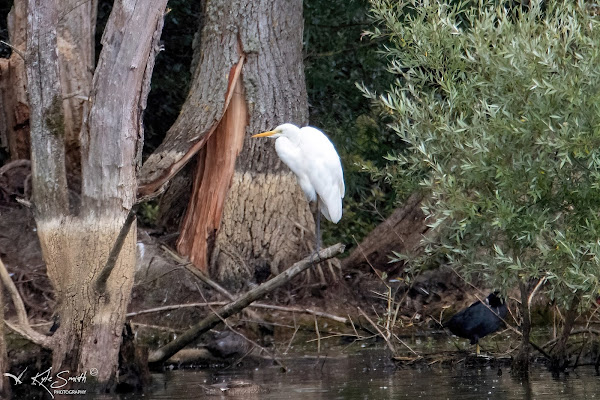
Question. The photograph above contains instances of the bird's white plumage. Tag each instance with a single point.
(311, 156)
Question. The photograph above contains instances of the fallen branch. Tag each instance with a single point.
(204, 278)
(23, 328)
(573, 333)
(304, 311)
(252, 342)
(163, 353)
(256, 305)
(14, 164)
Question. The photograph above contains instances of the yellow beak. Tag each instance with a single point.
(264, 134)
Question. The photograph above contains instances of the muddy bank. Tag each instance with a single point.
(357, 310)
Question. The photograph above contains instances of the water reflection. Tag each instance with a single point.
(371, 376)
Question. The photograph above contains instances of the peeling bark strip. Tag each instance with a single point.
(212, 180)
(267, 224)
(181, 145)
(269, 34)
(47, 121)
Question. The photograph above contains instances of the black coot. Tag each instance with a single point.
(479, 319)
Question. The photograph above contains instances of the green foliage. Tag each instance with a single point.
(500, 112)
(337, 56)
(148, 213)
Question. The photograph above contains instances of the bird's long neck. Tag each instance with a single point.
(294, 135)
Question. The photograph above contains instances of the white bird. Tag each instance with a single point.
(312, 157)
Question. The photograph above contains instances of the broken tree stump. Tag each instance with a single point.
(400, 232)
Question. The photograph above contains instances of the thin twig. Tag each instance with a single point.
(296, 329)
(534, 291)
(406, 345)
(157, 327)
(573, 332)
(14, 164)
(387, 339)
(14, 49)
(318, 336)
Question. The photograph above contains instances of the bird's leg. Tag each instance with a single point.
(316, 212)
(318, 233)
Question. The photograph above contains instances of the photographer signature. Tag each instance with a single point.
(53, 383)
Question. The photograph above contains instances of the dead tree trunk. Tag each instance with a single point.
(76, 247)
(401, 232)
(76, 43)
(4, 365)
(246, 213)
(14, 105)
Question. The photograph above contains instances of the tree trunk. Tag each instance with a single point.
(266, 219)
(401, 232)
(75, 40)
(76, 43)
(560, 360)
(246, 214)
(76, 247)
(4, 365)
(14, 105)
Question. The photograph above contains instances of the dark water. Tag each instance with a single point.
(370, 376)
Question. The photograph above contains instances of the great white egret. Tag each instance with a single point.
(312, 157)
(479, 319)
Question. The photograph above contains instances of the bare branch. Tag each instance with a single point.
(256, 305)
(242, 302)
(115, 251)
(374, 325)
(204, 278)
(23, 328)
(14, 164)
(13, 48)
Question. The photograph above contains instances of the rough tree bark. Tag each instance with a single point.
(75, 36)
(76, 247)
(247, 214)
(76, 43)
(14, 106)
(4, 365)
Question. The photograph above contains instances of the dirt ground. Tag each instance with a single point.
(158, 273)
(353, 309)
